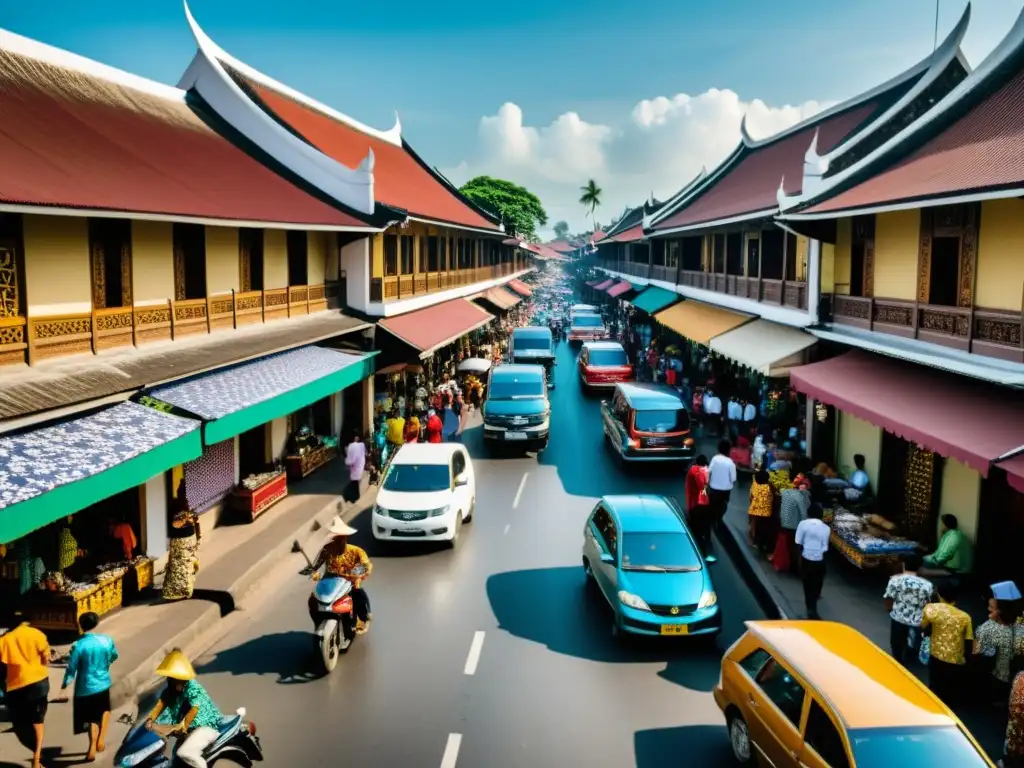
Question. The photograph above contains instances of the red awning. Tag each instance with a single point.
(620, 288)
(604, 286)
(520, 287)
(70, 139)
(499, 297)
(437, 326)
(1014, 471)
(970, 421)
(594, 283)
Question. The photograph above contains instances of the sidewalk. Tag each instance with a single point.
(233, 558)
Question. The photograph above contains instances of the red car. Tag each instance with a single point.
(587, 327)
(604, 364)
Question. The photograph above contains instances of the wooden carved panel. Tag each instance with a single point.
(99, 277)
(868, 284)
(244, 269)
(126, 274)
(968, 255)
(179, 272)
(10, 301)
(924, 256)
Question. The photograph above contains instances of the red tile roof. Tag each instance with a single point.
(399, 178)
(434, 327)
(561, 246)
(983, 149)
(630, 235)
(752, 184)
(71, 140)
(546, 252)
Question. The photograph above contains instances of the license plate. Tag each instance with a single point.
(408, 530)
(515, 435)
(675, 629)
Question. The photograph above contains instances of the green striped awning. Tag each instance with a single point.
(655, 299)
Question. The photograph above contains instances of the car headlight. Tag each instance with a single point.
(439, 511)
(378, 510)
(632, 601)
(708, 599)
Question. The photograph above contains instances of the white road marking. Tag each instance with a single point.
(505, 532)
(519, 493)
(451, 750)
(474, 653)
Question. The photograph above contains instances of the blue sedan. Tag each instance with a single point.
(639, 553)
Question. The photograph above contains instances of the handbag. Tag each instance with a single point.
(924, 653)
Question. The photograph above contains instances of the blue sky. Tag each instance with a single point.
(444, 65)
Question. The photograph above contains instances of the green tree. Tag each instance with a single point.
(519, 209)
(561, 230)
(591, 198)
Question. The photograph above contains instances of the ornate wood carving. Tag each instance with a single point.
(126, 273)
(10, 300)
(244, 263)
(924, 256)
(99, 277)
(968, 254)
(868, 283)
(1006, 332)
(894, 315)
(179, 272)
(12, 334)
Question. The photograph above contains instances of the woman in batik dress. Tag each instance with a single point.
(183, 557)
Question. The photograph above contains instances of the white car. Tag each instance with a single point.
(427, 493)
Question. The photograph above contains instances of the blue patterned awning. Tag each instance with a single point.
(240, 398)
(58, 470)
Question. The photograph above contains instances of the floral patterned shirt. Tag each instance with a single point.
(909, 595)
(1015, 726)
(951, 628)
(1006, 641)
(340, 559)
(194, 696)
(760, 500)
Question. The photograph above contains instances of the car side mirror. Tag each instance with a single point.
(710, 559)
(607, 558)
(461, 480)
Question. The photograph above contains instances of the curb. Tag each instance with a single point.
(141, 679)
(750, 571)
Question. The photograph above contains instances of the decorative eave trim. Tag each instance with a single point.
(96, 213)
(768, 213)
(816, 166)
(906, 205)
(352, 187)
(925, 127)
(695, 185)
(453, 225)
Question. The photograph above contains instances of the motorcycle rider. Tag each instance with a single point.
(185, 709)
(339, 558)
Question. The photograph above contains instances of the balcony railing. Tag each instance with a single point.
(985, 332)
(40, 338)
(395, 287)
(786, 293)
(634, 268)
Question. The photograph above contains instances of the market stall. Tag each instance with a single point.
(868, 540)
(307, 452)
(258, 492)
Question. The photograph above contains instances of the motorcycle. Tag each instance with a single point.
(237, 744)
(334, 615)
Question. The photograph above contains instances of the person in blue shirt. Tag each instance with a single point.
(89, 667)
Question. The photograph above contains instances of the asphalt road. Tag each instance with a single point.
(491, 656)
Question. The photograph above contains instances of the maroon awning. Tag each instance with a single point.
(520, 287)
(593, 283)
(437, 326)
(620, 288)
(970, 421)
(1014, 471)
(604, 286)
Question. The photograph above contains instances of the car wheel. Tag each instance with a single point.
(739, 740)
(458, 530)
(472, 509)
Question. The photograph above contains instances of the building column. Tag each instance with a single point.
(277, 438)
(367, 420)
(811, 421)
(337, 413)
(154, 516)
(813, 278)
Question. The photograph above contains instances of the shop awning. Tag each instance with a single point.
(1014, 471)
(700, 322)
(520, 287)
(621, 287)
(55, 471)
(655, 299)
(437, 326)
(970, 421)
(767, 347)
(604, 285)
(235, 400)
(499, 297)
(592, 283)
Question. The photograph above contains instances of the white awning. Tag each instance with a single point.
(767, 347)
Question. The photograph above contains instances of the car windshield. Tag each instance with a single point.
(417, 478)
(531, 342)
(587, 321)
(516, 389)
(662, 422)
(945, 745)
(607, 357)
(659, 552)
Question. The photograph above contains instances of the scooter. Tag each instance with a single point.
(333, 613)
(144, 748)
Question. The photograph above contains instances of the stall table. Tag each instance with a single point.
(253, 499)
(301, 466)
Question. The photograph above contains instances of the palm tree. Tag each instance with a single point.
(591, 198)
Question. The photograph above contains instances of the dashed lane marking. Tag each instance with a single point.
(507, 528)
(519, 493)
(451, 750)
(474, 653)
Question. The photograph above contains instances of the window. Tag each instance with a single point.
(620, 407)
(458, 464)
(517, 388)
(928, 745)
(862, 261)
(753, 255)
(771, 254)
(417, 478)
(531, 341)
(606, 529)
(608, 357)
(692, 254)
(673, 552)
(390, 255)
(189, 261)
(754, 663)
(12, 268)
(432, 254)
(661, 422)
(407, 255)
(791, 256)
(250, 259)
(443, 254)
(821, 736)
(298, 260)
(718, 252)
(782, 690)
(734, 254)
(587, 321)
(110, 246)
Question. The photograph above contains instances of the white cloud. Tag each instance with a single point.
(658, 147)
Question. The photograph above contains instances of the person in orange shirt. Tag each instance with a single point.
(26, 654)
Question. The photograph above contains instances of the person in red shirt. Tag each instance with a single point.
(434, 427)
(698, 503)
(412, 430)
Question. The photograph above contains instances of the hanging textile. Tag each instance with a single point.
(211, 477)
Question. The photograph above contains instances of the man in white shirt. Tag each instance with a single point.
(713, 411)
(721, 479)
(355, 462)
(812, 536)
(734, 413)
(749, 412)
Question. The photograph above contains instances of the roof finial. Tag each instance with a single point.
(744, 133)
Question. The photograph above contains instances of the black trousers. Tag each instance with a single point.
(719, 503)
(700, 526)
(26, 708)
(812, 573)
(944, 680)
(899, 633)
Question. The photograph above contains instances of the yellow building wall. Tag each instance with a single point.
(321, 253)
(843, 256)
(221, 260)
(275, 259)
(802, 249)
(1000, 275)
(152, 262)
(858, 436)
(58, 280)
(827, 273)
(960, 495)
(897, 236)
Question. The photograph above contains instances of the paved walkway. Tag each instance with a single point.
(233, 559)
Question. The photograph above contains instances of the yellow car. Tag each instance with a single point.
(817, 694)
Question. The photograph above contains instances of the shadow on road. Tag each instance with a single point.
(288, 655)
(704, 745)
(553, 606)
